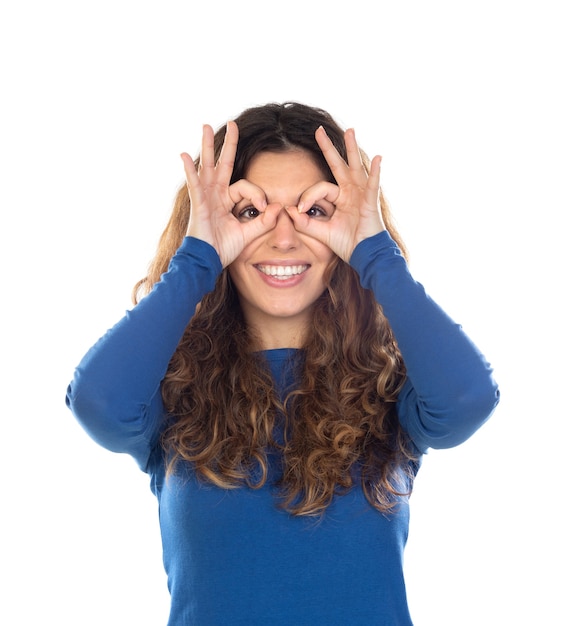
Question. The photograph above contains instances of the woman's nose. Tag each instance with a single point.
(284, 235)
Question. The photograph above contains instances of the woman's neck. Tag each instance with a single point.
(279, 334)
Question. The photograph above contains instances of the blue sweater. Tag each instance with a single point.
(232, 556)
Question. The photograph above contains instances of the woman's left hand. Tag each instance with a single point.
(357, 213)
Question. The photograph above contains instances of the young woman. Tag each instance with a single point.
(280, 378)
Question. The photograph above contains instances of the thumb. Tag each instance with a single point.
(308, 226)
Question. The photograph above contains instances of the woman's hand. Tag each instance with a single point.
(357, 213)
(212, 199)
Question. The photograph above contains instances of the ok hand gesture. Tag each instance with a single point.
(357, 213)
(212, 199)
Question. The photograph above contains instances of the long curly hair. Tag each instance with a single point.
(337, 425)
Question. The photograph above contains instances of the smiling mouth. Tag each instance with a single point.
(282, 272)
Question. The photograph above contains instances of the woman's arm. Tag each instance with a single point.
(450, 391)
(115, 392)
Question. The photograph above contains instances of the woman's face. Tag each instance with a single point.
(279, 276)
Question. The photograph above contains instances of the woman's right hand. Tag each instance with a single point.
(212, 199)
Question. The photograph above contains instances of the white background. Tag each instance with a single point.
(476, 109)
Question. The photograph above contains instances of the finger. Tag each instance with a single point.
(353, 151)
(243, 190)
(373, 184)
(192, 179)
(262, 224)
(374, 175)
(318, 229)
(188, 163)
(325, 194)
(338, 238)
(333, 158)
(225, 163)
(207, 151)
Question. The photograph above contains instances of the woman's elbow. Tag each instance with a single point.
(94, 413)
(470, 411)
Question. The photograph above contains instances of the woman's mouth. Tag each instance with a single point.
(282, 272)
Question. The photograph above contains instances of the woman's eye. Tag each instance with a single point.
(316, 211)
(248, 213)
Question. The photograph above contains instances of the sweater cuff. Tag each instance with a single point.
(203, 252)
(370, 249)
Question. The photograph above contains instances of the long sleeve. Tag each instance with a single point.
(450, 391)
(115, 392)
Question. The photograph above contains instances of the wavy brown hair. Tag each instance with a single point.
(337, 425)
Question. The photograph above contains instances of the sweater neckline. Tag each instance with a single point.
(280, 354)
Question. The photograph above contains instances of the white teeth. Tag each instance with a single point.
(282, 270)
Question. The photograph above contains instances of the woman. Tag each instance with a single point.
(280, 378)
